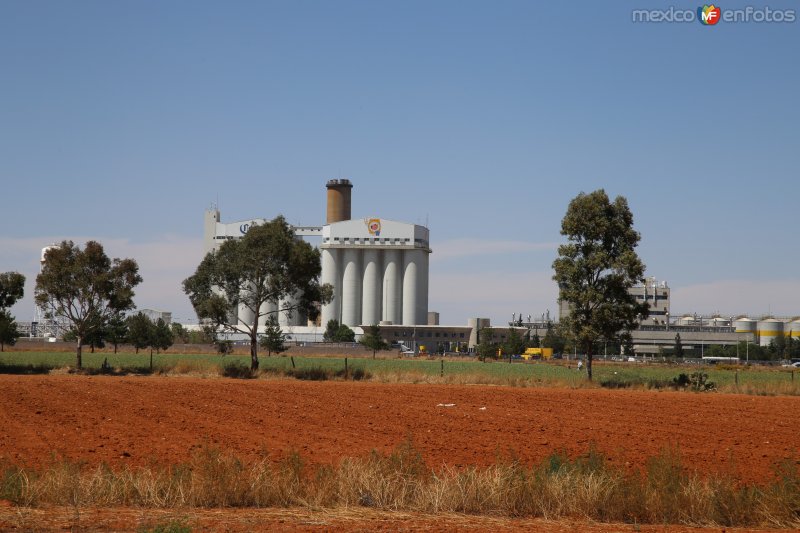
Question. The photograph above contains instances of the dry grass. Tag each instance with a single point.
(558, 488)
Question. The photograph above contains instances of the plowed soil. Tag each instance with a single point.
(138, 420)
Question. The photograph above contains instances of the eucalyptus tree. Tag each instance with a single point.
(85, 287)
(269, 265)
(596, 268)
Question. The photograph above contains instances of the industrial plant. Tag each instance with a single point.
(377, 267)
(379, 270)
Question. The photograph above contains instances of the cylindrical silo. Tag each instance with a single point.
(351, 287)
(339, 194)
(330, 274)
(268, 309)
(371, 300)
(793, 329)
(411, 267)
(392, 286)
(719, 322)
(768, 330)
(286, 318)
(246, 315)
(422, 288)
(745, 325)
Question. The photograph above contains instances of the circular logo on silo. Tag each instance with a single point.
(374, 226)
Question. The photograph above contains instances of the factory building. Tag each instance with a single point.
(653, 292)
(377, 267)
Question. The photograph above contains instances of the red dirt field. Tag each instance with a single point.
(138, 420)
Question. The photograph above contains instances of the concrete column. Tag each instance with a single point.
(283, 316)
(392, 286)
(267, 309)
(411, 267)
(422, 288)
(330, 274)
(351, 287)
(373, 286)
(245, 314)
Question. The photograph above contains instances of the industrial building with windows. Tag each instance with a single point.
(377, 267)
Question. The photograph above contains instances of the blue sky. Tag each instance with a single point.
(123, 121)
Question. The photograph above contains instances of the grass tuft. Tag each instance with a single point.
(560, 487)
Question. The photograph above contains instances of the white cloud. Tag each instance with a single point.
(733, 297)
(458, 248)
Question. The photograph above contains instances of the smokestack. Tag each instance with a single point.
(339, 192)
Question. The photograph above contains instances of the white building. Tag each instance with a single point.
(378, 267)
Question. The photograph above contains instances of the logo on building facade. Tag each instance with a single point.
(374, 226)
(243, 228)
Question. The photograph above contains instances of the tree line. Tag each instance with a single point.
(270, 271)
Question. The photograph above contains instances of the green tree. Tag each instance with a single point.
(116, 330)
(268, 265)
(554, 339)
(95, 338)
(535, 341)
(514, 344)
(140, 329)
(8, 330)
(12, 288)
(777, 347)
(161, 337)
(274, 338)
(373, 340)
(596, 269)
(85, 287)
(486, 345)
(345, 334)
(179, 333)
(335, 332)
(678, 345)
(331, 328)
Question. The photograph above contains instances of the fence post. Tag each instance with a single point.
(737, 379)
(441, 372)
(345, 368)
(292, 358)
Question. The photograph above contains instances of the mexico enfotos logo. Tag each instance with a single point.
(710, 15)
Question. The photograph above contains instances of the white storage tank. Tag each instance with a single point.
(768, 330)
(686, 320)
(793, 329)
(745, 325)
(719, 322)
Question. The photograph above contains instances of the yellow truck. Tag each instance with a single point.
(537, 353)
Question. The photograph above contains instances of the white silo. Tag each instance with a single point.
(793, 329)
(768, 330)
(392, 286)
(267, 309)
(351, 287)
(412, 260)
(745, 325)
(422, 288)
(330, 275)
(719, 322)
(371, 301)
(686, 320)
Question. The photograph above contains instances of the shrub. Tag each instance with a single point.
(235, 369)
